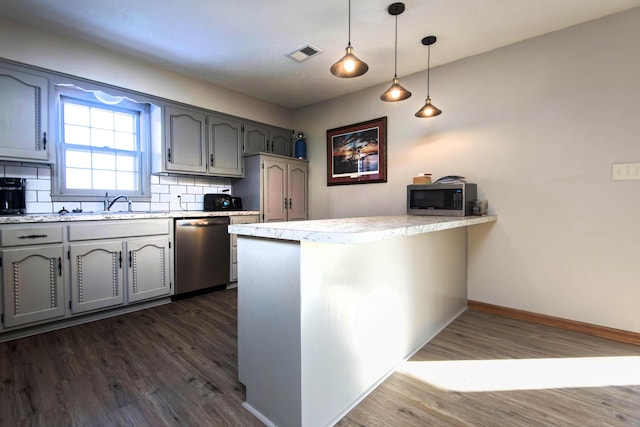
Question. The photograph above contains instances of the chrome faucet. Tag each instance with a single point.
(109, 204)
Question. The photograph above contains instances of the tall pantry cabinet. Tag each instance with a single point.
(277, 186)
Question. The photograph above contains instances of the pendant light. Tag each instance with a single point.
(395, 92)
(349, 65)
(428, 110)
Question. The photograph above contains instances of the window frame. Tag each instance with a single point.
(91, 94)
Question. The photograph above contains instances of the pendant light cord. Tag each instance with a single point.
(349, 23)
(428, 67)
(395, 66)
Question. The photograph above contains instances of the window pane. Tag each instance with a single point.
(104, 180)
(127, 181)
(77, 135)
(124, 122)
(112, 159)
(78, 159)
(125, 141)
(76, 114)
(127, 163)
(104, 161)
(101, 118)
(78, 178)
(102, 138)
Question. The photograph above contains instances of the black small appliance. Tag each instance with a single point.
(217, 202)
(236, 203)
(12, 196)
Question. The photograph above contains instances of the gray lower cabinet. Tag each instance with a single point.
(109, 268)
(52, 272)
(96, 276)
(238, 219)
(33, 282)
(23, 115)
(148, 268)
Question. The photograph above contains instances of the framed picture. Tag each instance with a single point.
(357, 154)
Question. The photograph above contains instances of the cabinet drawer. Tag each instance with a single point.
(244, 219)
(118, 229)
(31, 236)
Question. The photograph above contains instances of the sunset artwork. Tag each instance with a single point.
(356, 154)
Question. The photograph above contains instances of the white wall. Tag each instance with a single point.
(537, 125)
(63, 54)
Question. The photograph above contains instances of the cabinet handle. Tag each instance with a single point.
(211, 159)
(169, 155)
(34, 236)
(130, 261)
(120, 259)
(44, 142)
(272, 146)
(60, 266)
(289, 203)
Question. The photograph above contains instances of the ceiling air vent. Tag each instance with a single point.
(304, 53)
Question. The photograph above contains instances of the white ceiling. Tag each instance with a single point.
(242, 44)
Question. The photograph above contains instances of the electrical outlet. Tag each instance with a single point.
(625, 171)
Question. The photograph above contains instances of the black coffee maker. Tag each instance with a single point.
(12, 196)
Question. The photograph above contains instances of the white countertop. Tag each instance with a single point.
(100, 216)
(356, 230)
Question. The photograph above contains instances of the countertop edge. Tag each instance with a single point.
(100, 216)
(333, 231)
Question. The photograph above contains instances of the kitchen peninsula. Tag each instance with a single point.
(328, 308)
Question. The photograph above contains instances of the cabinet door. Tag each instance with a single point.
(33, 284)
(225, 146)
(274, 196)
(297, 186)
(256, 138)
(23, 115)
(240, 219)
(96, 275)
(148, 268)
(185, 148)
(280, 141)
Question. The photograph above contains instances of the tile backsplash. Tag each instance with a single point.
(168, 193)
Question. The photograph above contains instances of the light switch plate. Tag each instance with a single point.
(625, 171)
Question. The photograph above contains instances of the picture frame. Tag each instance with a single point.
(357, 153)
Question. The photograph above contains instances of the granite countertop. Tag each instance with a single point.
(100, 216)
(356, 230)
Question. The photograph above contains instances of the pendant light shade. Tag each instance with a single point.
(428, 109)
(395, 92)
(349, 65)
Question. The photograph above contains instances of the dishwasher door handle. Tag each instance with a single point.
(207, 223)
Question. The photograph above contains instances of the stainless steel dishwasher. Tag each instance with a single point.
(202, 250)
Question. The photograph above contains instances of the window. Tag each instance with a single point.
(102, 147)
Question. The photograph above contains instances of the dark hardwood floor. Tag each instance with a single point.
(176, 365)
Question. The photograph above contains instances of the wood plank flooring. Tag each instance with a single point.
(176, 365)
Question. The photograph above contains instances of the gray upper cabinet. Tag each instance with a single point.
(225, 146)
(24, 115)
(280, 141)
(259, 138)
(198, 143)
(256, 138)
(201, 142)
(185, 149)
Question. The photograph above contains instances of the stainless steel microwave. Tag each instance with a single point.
(441, 199)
